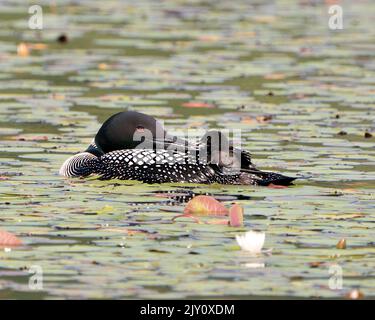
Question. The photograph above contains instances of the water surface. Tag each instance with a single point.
(239, 62)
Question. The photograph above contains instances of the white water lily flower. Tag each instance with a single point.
(251, 241)
(254, 265)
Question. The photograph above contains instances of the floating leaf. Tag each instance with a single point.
(62, 38)
(250, 67)
(37, 46)
(276, 186)
(103, 66)
(23, 50)
(31, 138)
(105, 210)
(367, 135)
(8, 239)
(198, 105)
(205, 205)
(187, 215)
(341, 244)
(236, 216)
(355, 294)
(274, 76)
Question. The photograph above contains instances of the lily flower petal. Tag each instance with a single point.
(251, 241)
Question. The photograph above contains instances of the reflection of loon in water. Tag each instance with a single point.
(114, 153)
(181, 196)
(176, 197)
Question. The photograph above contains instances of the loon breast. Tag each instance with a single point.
(78, 165)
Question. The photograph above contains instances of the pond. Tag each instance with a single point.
(301, 94)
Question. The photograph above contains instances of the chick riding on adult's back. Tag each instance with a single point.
(134, 146)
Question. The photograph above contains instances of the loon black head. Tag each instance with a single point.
(215, 140)
(217, 149)
(127, 130)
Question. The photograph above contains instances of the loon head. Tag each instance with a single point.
(218, 150)
(128, 130)
(215, 140)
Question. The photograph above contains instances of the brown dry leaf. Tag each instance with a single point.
(351, 190)
(264, 119)
(316, 264)
(342, 216)
(123, 230)
(37, 46)
(30, 138)
(58, 96)
(355, 294)
(248, 120)
(274, 76)
(341, 244)
(367, 135)
(23, 50)
(103, 66)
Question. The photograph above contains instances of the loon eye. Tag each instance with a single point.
(140, 128)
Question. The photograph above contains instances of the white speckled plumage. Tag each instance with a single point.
(77, 165)
(114, 154)
(161, 166)
(152, 166)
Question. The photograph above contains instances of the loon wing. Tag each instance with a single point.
(222, 158)
(152, 166)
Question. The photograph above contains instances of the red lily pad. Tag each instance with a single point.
(236, 216)
(205, 205)
(8, 239)
(209, 206)
(276, 186)
(198, 105)
(199, 221)
(187, 215)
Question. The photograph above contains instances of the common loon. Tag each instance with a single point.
(134, 146)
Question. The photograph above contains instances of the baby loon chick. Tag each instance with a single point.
(134, 146)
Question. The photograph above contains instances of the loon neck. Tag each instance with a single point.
(94, 149)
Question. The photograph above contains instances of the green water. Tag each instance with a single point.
(115, 239)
